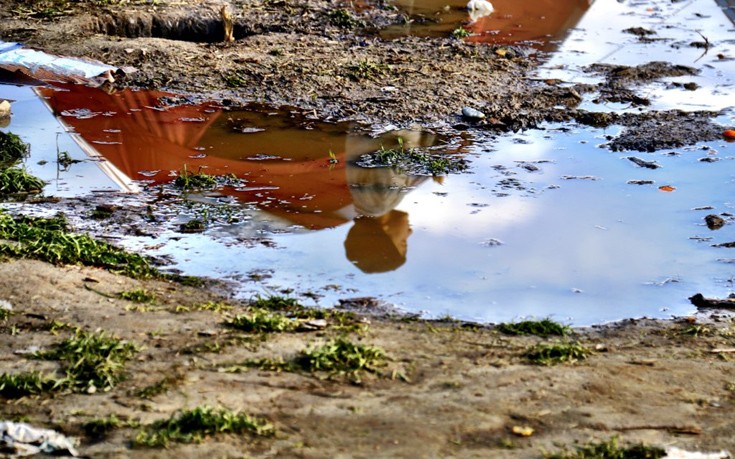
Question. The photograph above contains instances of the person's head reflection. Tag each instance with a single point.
(378, 244)
(378, 240)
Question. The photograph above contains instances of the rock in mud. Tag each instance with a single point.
(714, 222)
(643, 163)
(472, 114)
(700, 301)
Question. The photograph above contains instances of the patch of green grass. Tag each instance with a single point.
(461, 32)
(292, 309)
(342, 357)
(343, 19)
(543, 328)
(365, 70)
(29, 383)
(193, 426)
(100, 427)
(5, 313)
(696, 330)
(195, 181)
(276, 303)
(214, 306)
(12, 149)
(259, 320)
(91, 361)
(610, 450)
(49, 239)
(555, 353)
(64, 160)
(413, 161)
(195, 225)
(15, 180)
(139, 295)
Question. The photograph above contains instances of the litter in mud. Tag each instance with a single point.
(21, 439)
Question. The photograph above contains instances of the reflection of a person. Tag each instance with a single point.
(378, 241)
(379, 244)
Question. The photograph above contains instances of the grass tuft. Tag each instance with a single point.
(193, 426)
(610, 450)
(555, 353)
(100, 427)
(543, 328)
(262, 321)
(29, 383)
(341, 356)
(365, 70)
(413, 161)
(92, 361)
(343, 19)
(195, 181)
(461, 32)
(49, 239)
(17, 180)
(139, 295)
(12, 149)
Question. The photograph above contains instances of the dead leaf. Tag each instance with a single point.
(523, 431)
(666, 188)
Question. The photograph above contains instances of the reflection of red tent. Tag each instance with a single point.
(136, 133)
(516, 21)
(512, 21)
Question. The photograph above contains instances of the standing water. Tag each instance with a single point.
(544, 223)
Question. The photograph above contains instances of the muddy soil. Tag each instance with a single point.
(448, 389)
(324, 59)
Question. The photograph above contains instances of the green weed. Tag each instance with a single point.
(193, 426)
(543, 328)
(64, 160)
(139, 295)
(99, 427)
(343, 19)
(262, 321)
(29, 383)
(365, 70)
(461, 32)
(194, 181)
(610, 450)
(5, 313)
(17, 180)
(91, 361)
(555, 353)
(696, 330)
(49, 239)
(413, 161)
(12, 149)
(342, 357)
(214, 306)
(194, 225)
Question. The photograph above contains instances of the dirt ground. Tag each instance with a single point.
(448, 389)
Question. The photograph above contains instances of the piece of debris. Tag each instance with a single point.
(4, 109)
(471, 114)
(700, 301)
(522, 431)
(643, 163)
(714, 222)
(312, 325)
(729, 134)
(676, 453)
(21, 439)
(640, 182)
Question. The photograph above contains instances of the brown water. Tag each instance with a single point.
(542, 23)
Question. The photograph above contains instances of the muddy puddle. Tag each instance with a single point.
(544, 223)
(542, 23)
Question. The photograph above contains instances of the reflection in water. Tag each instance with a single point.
(379, 244)
(544, 22)
(284, 160)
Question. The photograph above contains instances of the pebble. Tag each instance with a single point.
(472, 114)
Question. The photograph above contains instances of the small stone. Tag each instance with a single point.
(714, 222)
(472, 114)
